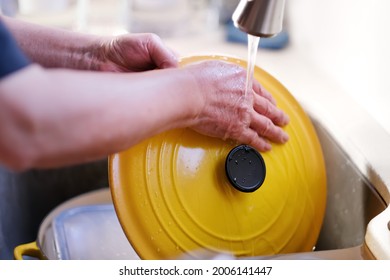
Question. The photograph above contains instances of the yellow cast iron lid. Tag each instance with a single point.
(174, 199)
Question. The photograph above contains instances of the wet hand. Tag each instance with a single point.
(134, 53)
(229, 113)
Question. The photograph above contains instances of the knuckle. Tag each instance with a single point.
(243, 107)
(268, 109)
(258, 142)
(152, 37)
(235, 131)
(279, 118)
(253, 141)
(151, 40)
(267, 127)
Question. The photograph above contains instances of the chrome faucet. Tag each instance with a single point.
(261, 18)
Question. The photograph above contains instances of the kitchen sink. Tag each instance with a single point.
(352, 202)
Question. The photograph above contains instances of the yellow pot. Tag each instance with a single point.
(174, 199)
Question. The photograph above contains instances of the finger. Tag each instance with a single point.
(266, 128)
(250, 137)
(161, 55)
(264, 107)
(260, 90)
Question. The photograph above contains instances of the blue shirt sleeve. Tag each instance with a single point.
(11, 56)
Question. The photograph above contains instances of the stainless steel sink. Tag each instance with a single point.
(352, 200)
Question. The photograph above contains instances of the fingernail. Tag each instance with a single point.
(286, 119)
(285, 137)
(267, 147)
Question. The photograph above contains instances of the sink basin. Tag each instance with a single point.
(352, 200)
(355, 197)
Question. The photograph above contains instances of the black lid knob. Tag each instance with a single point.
(245, 168)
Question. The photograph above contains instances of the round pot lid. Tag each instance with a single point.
(181, 195)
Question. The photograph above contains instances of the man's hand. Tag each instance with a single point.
(134, 53)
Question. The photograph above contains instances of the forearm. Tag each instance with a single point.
(65, 117)
(52, 47)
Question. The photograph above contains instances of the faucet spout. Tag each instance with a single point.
(261, 18)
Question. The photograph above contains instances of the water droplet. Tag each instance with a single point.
(235, 179)
(236, 161)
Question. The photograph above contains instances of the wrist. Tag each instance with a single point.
(194, 96)
(84, 53)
